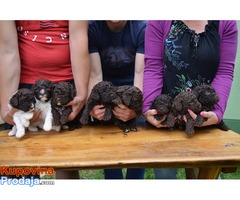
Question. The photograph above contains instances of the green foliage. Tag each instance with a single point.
(235, 175)
(91, 174)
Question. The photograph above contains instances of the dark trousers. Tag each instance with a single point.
(132, 173)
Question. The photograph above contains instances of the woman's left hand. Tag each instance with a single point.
(211, 117)
(123, 113)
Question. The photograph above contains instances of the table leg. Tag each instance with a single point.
(209, 173)
(203, 173)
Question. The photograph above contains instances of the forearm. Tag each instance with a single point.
(139, 67)
(9, 65)
(223, 80)
(153, 71)
(96, 71)
(81, 78)
(80, 58)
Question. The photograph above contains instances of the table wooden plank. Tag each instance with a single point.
(94, 147)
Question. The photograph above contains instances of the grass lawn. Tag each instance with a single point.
(149, 174)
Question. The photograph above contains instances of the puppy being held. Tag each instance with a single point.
(102, 93)
(42, 90)
(24, 101)
(181, 103)
(163, 105)
(208, 97)
(132, 97)
(63, 93)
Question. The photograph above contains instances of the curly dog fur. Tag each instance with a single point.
(208, 97)
(42, 90)
(180, 105)
(102, 94)
(163, 105)
(24, 101)
(132, 97)
(63, 93)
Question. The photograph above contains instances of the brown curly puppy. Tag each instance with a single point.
(163, 105)
(132, 97)
(180, 105)
(208, 97)
(63, 93)
(102, 93)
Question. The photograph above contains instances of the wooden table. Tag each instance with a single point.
(95, 147)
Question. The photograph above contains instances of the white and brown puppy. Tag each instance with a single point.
(24, 101)
(42, 90)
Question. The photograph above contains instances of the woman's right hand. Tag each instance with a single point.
(149, 116)
(98, 112)
(8, 117)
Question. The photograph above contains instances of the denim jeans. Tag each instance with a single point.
(165, 173)
(132, 173)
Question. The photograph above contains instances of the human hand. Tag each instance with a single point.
(98, 112)
(7, 117)
(36, 115)
(211, 117)
(77, 104)
(149, 116)
(123, 113)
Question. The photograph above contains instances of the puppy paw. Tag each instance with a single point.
(32, 128)
(107, 117)
(47, 127)
(20, 133)
(84, 120)
(65, 127)
(133, 129)
(12, 133)
(56, 128)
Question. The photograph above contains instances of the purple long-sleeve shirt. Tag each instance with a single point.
(156, 33)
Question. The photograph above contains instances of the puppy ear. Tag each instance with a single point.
(126, 98)
(53, 86)
(72, 90)
(94, 95)
(14, 100)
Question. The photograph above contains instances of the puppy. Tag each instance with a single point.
(63, 93)
(208, 97)
(163, 105)
(102, 93)
(180, 105)
(42, 90)
(132, 97)
(24, 101)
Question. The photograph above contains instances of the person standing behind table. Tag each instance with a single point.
(54, 50)
(117, 55)
(182, 54)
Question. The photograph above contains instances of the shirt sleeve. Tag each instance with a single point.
(141, 37)
(154, 57)
(92, 37)
(223, 80)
